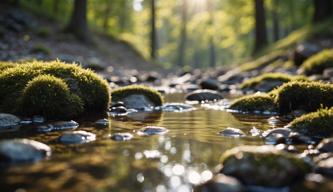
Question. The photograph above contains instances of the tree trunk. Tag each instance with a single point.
(78, 23)
(260, 26)
(275, 21)
(106, 16)
(322, 10)
(55, 7)
(153, 35)
(183, 34)
(212, 55)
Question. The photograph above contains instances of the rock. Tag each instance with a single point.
(118, 110)
(232, 132)
(176, 107)
(297, 138)
(152, 130)
(326, 146)
(121, 136)
(324, 164)
(8, 121)
(303, 51)
(210, 83)
(118, 104)
(287, 148)
(264, 166)
(220, 183)
(203, 95)
(58, 126)
(38, 119)
(274, 139)
(102, 122)
(284, 131)
(328, 73)
(23, 151)
(77, 137)
(139, 102)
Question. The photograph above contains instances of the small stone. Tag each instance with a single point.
(176, 107)
(328, 73)
(23, 151)
(118, 104)
(324, 164)
(210, 83)
(232, 132)
(203, 95)
(118, 110)
(138, 102)
(326, 146)
(275, 138)
(284, 131)
(297, 138)
(38, 119)
(58, 126)
(152, 130)
(77, 137)
(220, 183)
(102, 122)
(121, 136)
(8, 121)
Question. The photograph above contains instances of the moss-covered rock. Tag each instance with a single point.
(257, 102)
(307, 96)
(318, 63)
(50, 96)
(263, 166)
(269, 81)
(88, 86)
(5, 65)
(137, 97)
(316, 124)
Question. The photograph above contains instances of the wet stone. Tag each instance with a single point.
(275, 138)
(38, 119)
(220, 183)
(326, 146)
(23, 151)
(287, 148)
(118, 104)
(26, 121)
(152, 130)
(284, 131)
(232, 132)
(176, 107)
(210, 83)
(138, 102)
(102, 122)
(203, 95)
(58, 126)
(121, 136)
(324, 165)
(8, 121)
(118, 110)
(297, 138)
(77, 137)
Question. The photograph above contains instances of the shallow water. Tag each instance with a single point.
(183, 157)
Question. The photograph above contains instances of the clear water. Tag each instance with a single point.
(183, 157)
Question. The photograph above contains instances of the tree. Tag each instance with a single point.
(275, 20)
(78, 23)
(153, 35)
(106, 16)
(260, 26)
(322, 10)
(212, 55)
(183, 34)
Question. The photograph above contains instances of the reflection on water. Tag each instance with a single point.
(176, 161)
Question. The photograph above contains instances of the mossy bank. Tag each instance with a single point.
(82, 89)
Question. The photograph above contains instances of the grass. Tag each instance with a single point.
(152, 94)
(318, 63)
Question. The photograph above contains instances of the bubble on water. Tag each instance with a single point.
(178, 169)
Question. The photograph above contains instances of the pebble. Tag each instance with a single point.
(232, 132)
(8, 121)
(152, 130)
(77, 137)
(121, 136)
(58, 126)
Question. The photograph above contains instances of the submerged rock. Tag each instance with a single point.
(263, 166)
(220, 183)
(232, 132)
(58, 126)
(203, 95)
(23, 151)
(121, 136)
(176, 107)
(152, 130)
(77, 137)
(8, 121)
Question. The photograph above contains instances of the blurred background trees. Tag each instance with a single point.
(194, 33)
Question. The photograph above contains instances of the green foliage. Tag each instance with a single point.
(256, 102)
(5, 65)
(92, 89)
(316, 124)
(318, 63)
(40, 48)
(308, 96)
(280, 77)
(152, 94)
(50, 96)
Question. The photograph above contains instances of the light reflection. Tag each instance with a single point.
(140, 178)
(194, 177)
(178, 169)
(175, 181)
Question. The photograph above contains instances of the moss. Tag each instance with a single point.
(316, 124)
(318, 63)
(152, 94)
(261, 62)
(50, 96)
(263, 165)
(279, 77)
(256, 102)
(307, 96)
(40, 48)
(5, 65)
(92, 89)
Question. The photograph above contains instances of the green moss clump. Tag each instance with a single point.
(151, 94)
(316, 124)
(274, 77)
(256, 102)
(307, 96)
(5, 65)
(263, 165)
(92, 89)
(318, 63)
(50, 96)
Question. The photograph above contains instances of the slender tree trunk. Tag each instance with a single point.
(293, 24)
(260, 26)
(55, 7)
(78, 23)
(212, 55)
(153, 34)
(183, 34)
(322, 10)
(275, 20)
(106, 16)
